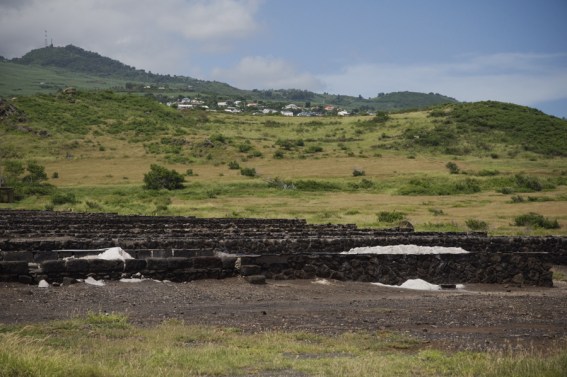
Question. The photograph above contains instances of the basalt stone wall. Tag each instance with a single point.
(517, 268)
(38, 250)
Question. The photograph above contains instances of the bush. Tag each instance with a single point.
(312, 185)
(278, 155)
(358, 173)
(233, 165)
(390, 217)
(453, 168)
(248, 172)
(528, 183)
(536, 220)
(477, 225)
(61, 198)
(314, 149)
(160, 178)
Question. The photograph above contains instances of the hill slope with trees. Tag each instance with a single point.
(104, 72)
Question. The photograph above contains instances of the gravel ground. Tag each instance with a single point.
(479, 317)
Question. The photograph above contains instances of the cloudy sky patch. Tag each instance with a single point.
(506, 50)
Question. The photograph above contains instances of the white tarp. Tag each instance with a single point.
(406, 249)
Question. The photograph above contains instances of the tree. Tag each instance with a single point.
(159, 177)
(36, 173)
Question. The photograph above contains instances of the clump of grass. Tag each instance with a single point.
(391, 217)
(536, 220)
(477, 225)
(436, 211)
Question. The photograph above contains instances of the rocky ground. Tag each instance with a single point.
(478, 317)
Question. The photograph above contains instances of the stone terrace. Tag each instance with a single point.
(44, 238)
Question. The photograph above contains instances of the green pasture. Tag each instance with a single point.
(438, 167)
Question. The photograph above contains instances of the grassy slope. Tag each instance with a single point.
(101, 145)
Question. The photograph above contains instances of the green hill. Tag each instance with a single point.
(462, 128)
(51, 68)
(439, 168)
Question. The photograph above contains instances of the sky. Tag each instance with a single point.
(503, 50)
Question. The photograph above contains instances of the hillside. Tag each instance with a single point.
(443, 169)
(51, 68)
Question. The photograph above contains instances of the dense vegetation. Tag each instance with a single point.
(462, 129)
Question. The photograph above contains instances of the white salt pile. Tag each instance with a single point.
(92, 281)
(417, 284)
(406, 249)
(112, 254)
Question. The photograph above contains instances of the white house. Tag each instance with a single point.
(291, 106)
(287, 113)
(343, 113)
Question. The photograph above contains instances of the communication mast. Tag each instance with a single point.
(45, 38)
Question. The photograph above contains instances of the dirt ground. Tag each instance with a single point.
(478, 317)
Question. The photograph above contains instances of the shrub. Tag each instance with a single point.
(243, 148)
(161, 178)
(248, 172)
(358, 173)
(233, 165)
(536, 220)
(518, 199)
(528, 183)
(453, 168)
(61, 198)
(477, 225)
(314, 149)
(390, 217)
(312, 185)
(55, 175)
(278, 155)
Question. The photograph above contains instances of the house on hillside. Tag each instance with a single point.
(291, 106)
(287, 113)
(343, 113)
(329, 107)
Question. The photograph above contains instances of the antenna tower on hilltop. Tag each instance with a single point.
(45, 38)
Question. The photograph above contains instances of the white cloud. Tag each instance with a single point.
(257, 72)
(154, 35)
(210, 20)
(519, 78)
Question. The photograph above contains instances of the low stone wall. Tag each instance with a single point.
(517, 268)
(38, 249)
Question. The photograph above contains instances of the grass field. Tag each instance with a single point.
(114, 347)
(101, 144)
